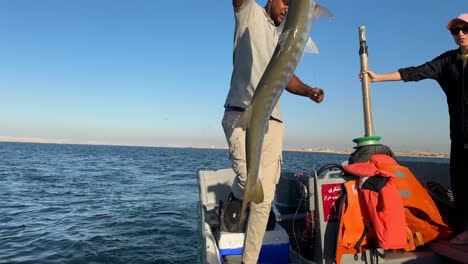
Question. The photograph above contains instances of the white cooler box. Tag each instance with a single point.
(275, 248)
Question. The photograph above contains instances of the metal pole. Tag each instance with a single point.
(365, 83)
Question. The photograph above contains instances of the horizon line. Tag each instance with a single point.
(411, 153)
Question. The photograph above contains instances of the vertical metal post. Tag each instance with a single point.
(369, 138)
(365, 83)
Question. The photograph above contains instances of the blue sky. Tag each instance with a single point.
(156, 73)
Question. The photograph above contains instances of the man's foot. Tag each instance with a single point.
(460, 239)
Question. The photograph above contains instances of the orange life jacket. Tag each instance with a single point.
(420, 216)
(353, 235)
(383, 203)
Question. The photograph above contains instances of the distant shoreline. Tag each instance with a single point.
(424, 154)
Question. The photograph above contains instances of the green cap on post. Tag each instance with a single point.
(367, 141)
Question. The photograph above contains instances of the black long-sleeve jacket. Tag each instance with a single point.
(447, 70)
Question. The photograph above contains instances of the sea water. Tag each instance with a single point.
(110, 204)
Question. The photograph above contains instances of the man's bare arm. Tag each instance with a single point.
(296, 86)
(238, 3)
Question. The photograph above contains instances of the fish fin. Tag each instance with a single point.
(322, 12)
(311, 47)
(244, 120)
(257, 193)
(319, 12)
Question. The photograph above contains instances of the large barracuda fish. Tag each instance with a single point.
(286, 57)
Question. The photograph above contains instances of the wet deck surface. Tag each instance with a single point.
(458, 253)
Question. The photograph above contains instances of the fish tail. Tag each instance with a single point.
(257, 194)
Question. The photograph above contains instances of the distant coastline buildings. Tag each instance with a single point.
(317, 150)
(397, 153)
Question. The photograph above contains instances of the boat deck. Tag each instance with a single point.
(454, 252)
(215, 185)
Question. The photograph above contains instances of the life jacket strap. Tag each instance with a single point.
(420, 238)
(361, 239)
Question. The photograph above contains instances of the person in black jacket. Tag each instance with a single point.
(450, 70)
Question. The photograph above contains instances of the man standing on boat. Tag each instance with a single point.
(450, 70)
(256, 36)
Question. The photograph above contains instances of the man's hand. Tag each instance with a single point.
(316, 94)
(296, 86)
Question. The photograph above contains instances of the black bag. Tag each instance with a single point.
(230, 217)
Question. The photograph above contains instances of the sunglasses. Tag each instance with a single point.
(455, 31)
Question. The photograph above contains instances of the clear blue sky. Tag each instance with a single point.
(156, 73)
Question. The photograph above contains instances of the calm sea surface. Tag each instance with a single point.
(109, 204)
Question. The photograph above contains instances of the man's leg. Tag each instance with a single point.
(235, 137)
(269, 173)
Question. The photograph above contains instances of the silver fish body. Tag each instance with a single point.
(286, 57)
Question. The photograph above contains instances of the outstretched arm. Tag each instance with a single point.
(238, 3)
(296, 86)
(391, 76)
